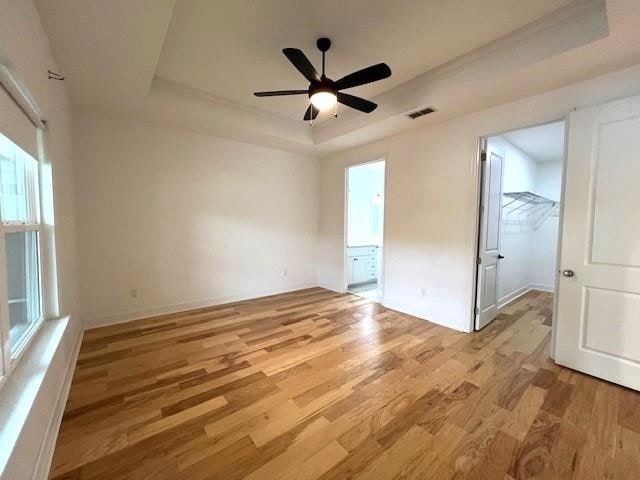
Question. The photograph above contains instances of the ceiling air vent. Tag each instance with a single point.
(420, 113)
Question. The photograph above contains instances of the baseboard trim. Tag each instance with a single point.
(45, 454)
(333, 288)
(113, 319)
(542, 287)
(507, 299)
(416, 312)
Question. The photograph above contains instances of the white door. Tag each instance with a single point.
(598, 314)
(489, 240)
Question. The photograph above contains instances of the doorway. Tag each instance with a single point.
(519, 217)
(365, 229)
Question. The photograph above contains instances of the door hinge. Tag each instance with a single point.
(479, 261)
(476, 310)
(481, 208)
(483, 156)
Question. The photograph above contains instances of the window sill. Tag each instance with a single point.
(29, 397)
(25, 342)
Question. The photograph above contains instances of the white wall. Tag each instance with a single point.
(432, 197)
(545, 238)
(516, 238)
(549, 179)
(24, 43)
(186, 219)
(39, 380)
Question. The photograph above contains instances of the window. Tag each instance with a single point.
(21, 297)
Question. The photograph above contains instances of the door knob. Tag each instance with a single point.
(500, 257)
(568, 273)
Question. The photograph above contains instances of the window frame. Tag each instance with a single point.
(34, 195)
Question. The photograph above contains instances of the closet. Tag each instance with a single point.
(531, 192)
(519, 217)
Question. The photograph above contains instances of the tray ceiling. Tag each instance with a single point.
(232, 48)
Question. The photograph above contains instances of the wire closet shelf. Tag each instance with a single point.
(528, 208)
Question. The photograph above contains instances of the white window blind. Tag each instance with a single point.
(15, 124)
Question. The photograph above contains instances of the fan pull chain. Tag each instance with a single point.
(310, 114)
(335, 111)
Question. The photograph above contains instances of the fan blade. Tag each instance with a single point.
(280, 92)
(356, 102)
(364, 76)
(311, 113)
(302, 63)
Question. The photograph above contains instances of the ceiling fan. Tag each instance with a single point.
(324, 92)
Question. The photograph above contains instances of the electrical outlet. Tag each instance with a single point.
(133, 293)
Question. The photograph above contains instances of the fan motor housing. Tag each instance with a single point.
(323, 44)
(325, 85)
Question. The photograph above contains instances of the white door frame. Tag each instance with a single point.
(476, 206)
(345, 235)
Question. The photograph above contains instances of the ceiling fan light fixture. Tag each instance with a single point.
(324, 93)
(323, 100)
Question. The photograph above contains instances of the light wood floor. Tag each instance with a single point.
(315, 384)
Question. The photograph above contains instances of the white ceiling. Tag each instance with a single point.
(194, 64)
(543, 143)
(233, 48)
(107, 50)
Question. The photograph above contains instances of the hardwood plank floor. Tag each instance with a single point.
(318, 385)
